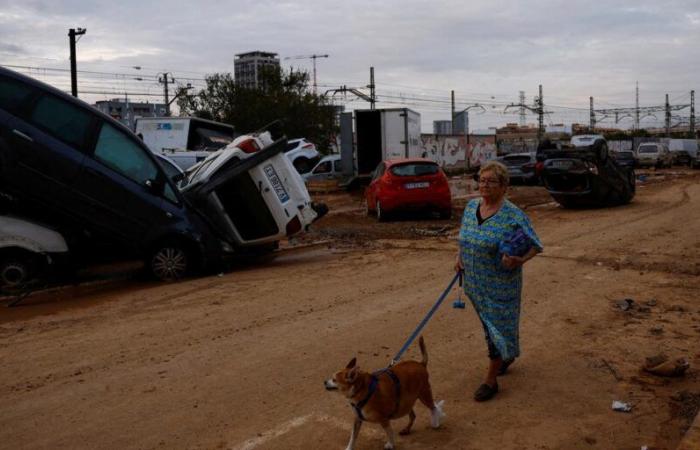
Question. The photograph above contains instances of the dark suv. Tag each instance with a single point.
(66, 164)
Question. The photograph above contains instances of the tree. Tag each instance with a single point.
(283, 96)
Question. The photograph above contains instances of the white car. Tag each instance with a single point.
(250, 193)
(328, 168)
(303, 154)
(654, 154)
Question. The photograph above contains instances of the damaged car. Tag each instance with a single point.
(93, 181)
(581, 173)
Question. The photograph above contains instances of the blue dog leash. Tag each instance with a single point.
(425, 320)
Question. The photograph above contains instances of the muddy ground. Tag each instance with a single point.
(236, 361)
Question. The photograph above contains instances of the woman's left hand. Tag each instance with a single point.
(512, 262)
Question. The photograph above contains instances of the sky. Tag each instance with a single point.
(486, 51)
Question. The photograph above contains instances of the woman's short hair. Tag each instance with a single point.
(499, 169)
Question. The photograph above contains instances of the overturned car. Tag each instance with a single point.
(582, 173)
(87, 177)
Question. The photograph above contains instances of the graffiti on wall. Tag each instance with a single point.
(451, 152)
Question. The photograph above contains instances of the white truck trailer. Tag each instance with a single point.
(382, 134)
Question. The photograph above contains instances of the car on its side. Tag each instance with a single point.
(522, 167)
(408, 184)
(328, 168)
(582, 173)
(625, 158)
(303, 154)
(654, 154)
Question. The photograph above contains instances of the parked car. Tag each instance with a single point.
(682, 158)
(328, 168)
(582, 173)
(625, 158)
(654, 154)
(303, 154)
(408, 184)
(522, 167)
(65, 164)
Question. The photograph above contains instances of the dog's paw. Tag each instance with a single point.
(437, 414)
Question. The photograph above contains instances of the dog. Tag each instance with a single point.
(387, 395)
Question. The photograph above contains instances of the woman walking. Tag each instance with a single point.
(492, 279)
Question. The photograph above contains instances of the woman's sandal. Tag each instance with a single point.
(485, 392)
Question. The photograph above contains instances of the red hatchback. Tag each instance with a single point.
(407, 185)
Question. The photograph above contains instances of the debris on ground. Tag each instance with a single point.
(621, 406)
(663, 366)
(431, 231)
(625, 305)
(686, 405)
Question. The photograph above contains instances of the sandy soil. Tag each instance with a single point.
(236, 361)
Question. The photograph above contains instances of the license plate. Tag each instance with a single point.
(561, 164)
(276, 183)
(421, 185)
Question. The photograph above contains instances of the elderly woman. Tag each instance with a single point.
(491, 280)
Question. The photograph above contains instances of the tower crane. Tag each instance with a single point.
(313, 57)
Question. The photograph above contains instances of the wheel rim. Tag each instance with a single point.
(14, 274)
(169, 263)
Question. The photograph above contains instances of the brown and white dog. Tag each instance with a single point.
(387, 395)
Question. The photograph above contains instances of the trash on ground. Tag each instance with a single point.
(625, 305)
(621, 406)
(663, 366)
(651, 302)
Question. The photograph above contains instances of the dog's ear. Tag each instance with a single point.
(351, 375)
(351, 364)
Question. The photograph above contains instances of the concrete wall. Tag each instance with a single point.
(451, 152)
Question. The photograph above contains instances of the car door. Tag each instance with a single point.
(123, 189)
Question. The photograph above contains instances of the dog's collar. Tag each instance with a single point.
(372, 389)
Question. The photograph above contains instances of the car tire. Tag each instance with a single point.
(601, 150)
(17, 270)
(368, 212)
(170, 261)
(381, 214)
(446, 214)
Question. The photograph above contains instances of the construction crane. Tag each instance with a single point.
(314, 58)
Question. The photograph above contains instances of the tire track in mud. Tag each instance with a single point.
(648, 211)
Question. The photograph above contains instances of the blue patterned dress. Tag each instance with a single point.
(494, 290)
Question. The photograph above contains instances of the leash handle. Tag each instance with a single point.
(416, 332)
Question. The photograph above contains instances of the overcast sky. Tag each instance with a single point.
(486, 51)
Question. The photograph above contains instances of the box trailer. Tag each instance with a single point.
(384, 134)
(170, 134)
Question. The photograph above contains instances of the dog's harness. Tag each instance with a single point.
(374, 380)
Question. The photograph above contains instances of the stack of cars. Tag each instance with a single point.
(582, 173)
(74, 171)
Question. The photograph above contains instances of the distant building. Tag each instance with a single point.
(247, 67)
(442, 127)
(461, 123)
(127, 112)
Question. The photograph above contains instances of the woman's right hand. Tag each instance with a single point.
(459, 267)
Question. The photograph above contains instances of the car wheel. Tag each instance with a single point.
(170, 262)
(17, 270)
(368, 212)
(601, 150)
(381, 214)
(446, 214)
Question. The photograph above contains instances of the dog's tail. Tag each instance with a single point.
(423, 351)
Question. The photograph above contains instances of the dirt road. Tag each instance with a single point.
(237, 361)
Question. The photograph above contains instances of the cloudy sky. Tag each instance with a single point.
(486, 51)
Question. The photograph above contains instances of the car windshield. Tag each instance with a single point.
(414, 169)
(647, 149)
(192, 174)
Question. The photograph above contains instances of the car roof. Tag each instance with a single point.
(395, 161)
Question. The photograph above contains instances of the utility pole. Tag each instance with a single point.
(72, 33)
(693, 134)
(164, 81)
(668, 117)
(453, 113)
(372, 94)
(592, 116)
(522, 109)
(636, 108)
(540, 118)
